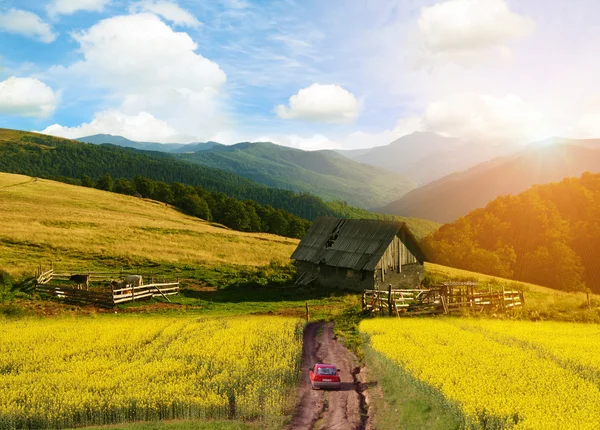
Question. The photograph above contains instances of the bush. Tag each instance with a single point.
(6, 285)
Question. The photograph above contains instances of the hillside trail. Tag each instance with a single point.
(31, 181)
(345, 409)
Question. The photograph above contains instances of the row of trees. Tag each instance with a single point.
(548, 235)
(239, 215)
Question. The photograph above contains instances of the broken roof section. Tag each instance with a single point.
(355, 244)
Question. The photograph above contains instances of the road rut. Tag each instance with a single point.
(345, 409)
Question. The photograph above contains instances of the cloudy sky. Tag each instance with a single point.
(305, 73)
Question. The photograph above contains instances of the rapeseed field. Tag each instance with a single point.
(519, 375)
(74, 372)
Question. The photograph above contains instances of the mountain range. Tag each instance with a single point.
(99, 139)
(455, 195)
(426, 156)
(71, 161)
(326, 174)
(436, 177)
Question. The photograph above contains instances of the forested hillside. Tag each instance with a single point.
(99, 139)
(325, 173)
(46, 156)
(76, 162)
(547, 235)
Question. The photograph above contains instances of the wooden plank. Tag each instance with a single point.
(167, 299)
(73, 291)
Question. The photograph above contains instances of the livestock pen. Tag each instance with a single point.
(445, 298)
(101, 288)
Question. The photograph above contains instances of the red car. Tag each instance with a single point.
(324, 376)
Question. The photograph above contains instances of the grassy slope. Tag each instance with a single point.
(83, 228)
(325, 173)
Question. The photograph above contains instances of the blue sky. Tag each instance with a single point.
(309, 74)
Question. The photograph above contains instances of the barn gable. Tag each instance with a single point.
(353, 244)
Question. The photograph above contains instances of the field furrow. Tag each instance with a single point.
(490, 383)
(73, 372)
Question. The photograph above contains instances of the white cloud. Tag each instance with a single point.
(235, 4)
(69, 7)
(311, 143)
(404, 127)
(26, 97)
(138, 52)
(147, 67)
(140, 127)
(458, 30)
(586, 127)
(26, 24)
(321, 103)
(487, 119)
(168, 10)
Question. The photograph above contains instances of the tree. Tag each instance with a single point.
(234, 215)
(105, 182)
(86, 181)
(193, 205)
(124, 186)
(144, 186)
(163, 193)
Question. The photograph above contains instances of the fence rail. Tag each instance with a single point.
(440, 299)
(108, 297)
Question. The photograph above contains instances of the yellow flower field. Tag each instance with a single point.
(573, 345)
(493, 379)
(73, 372)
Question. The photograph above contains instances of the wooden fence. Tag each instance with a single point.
(101, 293)
(440, 299)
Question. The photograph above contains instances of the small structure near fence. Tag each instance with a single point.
(100, 287)
(446, 298)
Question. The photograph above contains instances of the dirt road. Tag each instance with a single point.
(345, 409)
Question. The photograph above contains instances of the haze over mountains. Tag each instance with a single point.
(427, 156)
(455, 195)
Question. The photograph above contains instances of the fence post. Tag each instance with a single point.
(589, 302)
(390, 300)
(307, 314)
(522, 297)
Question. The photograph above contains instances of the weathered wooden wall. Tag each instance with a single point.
(338, 277)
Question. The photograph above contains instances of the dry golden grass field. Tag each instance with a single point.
(83, 228)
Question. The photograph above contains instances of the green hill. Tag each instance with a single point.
(548, 235)
(324, 173)
(50, 157)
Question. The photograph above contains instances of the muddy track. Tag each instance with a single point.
(345, 409)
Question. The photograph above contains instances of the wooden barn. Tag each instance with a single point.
(359, 254)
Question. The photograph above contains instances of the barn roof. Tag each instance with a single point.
(359, 245)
